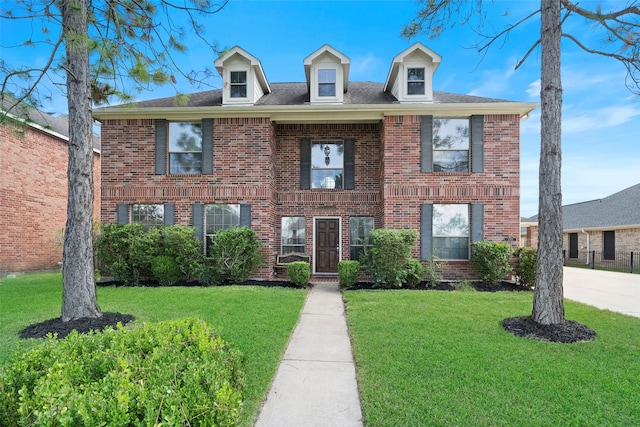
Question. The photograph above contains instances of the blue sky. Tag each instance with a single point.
(601, 117)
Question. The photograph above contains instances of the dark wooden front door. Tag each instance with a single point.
(327, 245)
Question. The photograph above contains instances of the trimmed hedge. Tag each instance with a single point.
(172, 373)
(299, 272)
(348, 272)
(491, 260)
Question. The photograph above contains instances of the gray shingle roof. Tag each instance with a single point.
(617, 210)
(297, 94)
(57, 124)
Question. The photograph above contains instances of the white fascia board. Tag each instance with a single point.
(294, 113)
(607, 228)
(43, 129)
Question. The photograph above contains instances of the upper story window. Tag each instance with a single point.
(185, 148)
(148, 215)
(327, 82)
(238, 85)
(450, 145)
(415, 81)
(327, 164)
(451, 231)
(293, 235)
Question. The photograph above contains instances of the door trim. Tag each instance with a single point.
(339, 219)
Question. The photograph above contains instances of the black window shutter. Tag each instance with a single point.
(161, 147)
(349, 163)
(245, 215)
(305, 164)
(169, 214)
(198, 220)
(426, 231)
(122, 214)
(477, 222)
(207, 146)
(426, 144)
(477, 143)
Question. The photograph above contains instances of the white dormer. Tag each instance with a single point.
(244, 81)
(327, 72)
(410, 78)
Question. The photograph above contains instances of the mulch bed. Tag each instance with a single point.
(446, 286)
(62, 329)
(567, 332)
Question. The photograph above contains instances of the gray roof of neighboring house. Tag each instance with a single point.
(298, 94)
(617, 210)
(57, 124)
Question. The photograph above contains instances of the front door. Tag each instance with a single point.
(327, 245)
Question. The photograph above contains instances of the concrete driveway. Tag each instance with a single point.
(618, 292)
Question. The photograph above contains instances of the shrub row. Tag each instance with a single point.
(170, 254)
(170, 373)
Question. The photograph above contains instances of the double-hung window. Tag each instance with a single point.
(415, 81)
(185, 148)
(218, 217)
(148, 215)
(450, 145)
(293, 235)
(327, 82)
(360, 229)
(238, 85)
(451, 231)
(327, 164)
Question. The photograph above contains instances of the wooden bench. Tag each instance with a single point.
(280, 268)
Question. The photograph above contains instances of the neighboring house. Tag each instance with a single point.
(33, 188)
(314, 167)
(608, 226)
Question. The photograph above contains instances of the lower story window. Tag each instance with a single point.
(218, 217)
(360, 229)
(292, 235)
(148, 215)
(451, 231)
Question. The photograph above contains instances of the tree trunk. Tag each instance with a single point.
(548, 304)
(78, 294)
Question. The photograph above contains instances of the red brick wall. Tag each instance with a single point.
(406, 187)
(388, 183)
(33, 198)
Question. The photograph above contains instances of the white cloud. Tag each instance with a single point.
(534, 90)
(367, 68)
(495, 82)
(599, 118)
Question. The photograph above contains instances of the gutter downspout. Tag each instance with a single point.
(587, 245)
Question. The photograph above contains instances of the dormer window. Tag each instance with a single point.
(327, 82)
(238, 84)
(244, 81)
(327, 73)
(410, 77)
(415, 81)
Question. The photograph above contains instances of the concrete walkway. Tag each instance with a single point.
(613, 291)
(315, 384)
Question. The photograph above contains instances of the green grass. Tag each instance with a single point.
(443, 359)
(257, 321)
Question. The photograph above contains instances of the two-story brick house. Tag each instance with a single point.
(314, 166)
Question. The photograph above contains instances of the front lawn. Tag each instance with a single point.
(256, 320)
(443, 359)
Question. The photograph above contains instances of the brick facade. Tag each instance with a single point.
(257, 162)
(33, 197)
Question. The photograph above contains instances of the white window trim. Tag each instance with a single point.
(226, 92)
(315, 83)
